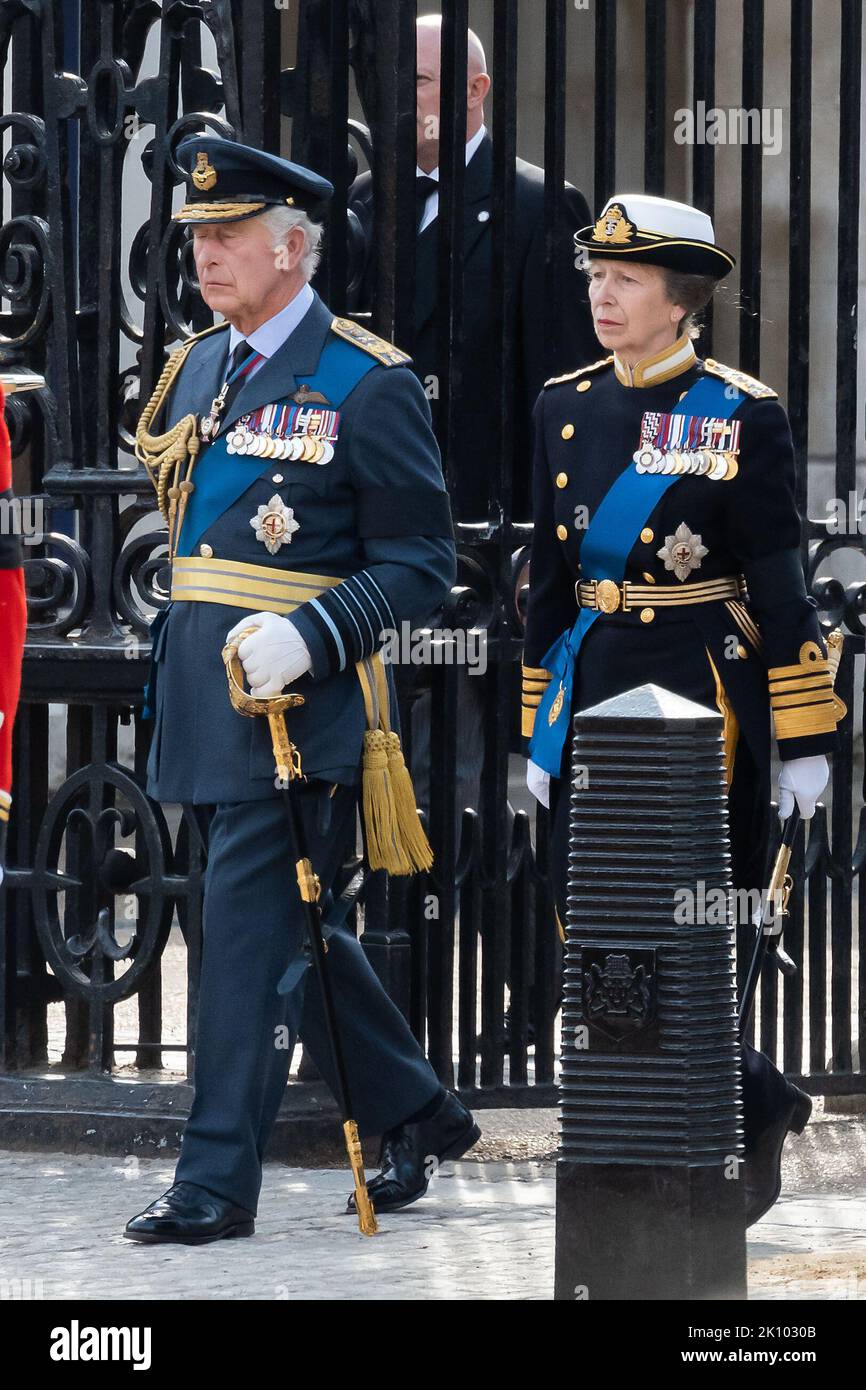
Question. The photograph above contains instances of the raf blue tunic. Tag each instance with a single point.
(375, 516)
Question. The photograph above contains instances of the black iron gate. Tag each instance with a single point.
(100, 93)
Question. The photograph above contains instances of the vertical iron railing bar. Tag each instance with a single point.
(751, 189)
(655, 87)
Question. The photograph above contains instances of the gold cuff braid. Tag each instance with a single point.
(801, 695)
(535, 682)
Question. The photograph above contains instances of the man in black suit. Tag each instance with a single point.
(477, 405)
(472, 474)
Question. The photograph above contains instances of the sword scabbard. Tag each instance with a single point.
(367, 1223)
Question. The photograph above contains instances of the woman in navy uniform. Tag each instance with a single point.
(663, 486)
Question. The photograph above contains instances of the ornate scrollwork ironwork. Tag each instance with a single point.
(58, 586)
(92, 873)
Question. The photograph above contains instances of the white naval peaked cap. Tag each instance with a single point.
(658, 231)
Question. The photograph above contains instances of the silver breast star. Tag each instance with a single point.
(274, 523)
(682, 552)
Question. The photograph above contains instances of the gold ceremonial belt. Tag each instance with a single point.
(394, 835)
(195, 579)
(609, 597)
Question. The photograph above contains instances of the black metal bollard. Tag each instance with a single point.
(649, 1192)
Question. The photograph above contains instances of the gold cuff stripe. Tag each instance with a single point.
(809, 697)
(816, 672)
(532, 687)
(532, 701)
(527, 722)
(537, 673)
(791, 687)
(803, 668)
(800, 723)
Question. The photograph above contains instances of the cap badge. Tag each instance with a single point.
(204, 175)
(613, 226)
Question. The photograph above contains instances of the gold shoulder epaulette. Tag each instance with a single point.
(214, 328)
(570, 376)
(743, 382)
(177, 357)
(380, 348)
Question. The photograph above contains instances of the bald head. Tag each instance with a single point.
(428, 63)
(429, 32)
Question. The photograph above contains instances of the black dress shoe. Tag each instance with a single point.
(189, 1215)
(764, 1164)
(411, 1154)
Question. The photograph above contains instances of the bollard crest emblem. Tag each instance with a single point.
(619, 991)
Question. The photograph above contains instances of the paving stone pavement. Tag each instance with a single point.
(485, 1231)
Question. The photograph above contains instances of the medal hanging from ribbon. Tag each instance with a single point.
(210, 423)
(612, 533)
(702, 445)
(302, 434)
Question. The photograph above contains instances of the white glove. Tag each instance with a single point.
(274, 656)
(805, 779)
(538, 782)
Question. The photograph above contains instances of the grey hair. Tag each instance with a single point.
(280, 221)
(694, 292)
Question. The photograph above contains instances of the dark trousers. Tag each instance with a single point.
(253, 929)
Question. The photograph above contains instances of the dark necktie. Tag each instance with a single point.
(241, 352)
(424, 186)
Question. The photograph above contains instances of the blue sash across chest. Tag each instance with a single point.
(220, 477)
(609, 540)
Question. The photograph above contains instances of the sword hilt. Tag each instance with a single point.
(287, 758)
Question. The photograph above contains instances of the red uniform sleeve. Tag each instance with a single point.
(13, 622)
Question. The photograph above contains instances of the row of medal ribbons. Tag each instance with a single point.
(305, 434)
(688, 444)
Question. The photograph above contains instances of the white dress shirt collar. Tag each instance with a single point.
(471, 147)
(431, 207)
(271, 335)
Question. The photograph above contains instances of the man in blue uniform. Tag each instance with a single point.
(297, 471)
(666, 550)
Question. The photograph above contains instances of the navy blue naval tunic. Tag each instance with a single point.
(588, 426)
(376, 516)
(765, 648)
